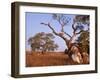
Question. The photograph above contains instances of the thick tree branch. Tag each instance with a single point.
(71, 39)
(58, 34)
(50, 28)
(74, 32)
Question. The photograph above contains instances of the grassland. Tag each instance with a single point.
(34, 59)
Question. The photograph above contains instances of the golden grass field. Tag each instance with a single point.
(34, 59)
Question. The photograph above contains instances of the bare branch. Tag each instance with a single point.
(62, 24)
(79, 32)
(73, 27)
(63, 37)
(67, 34)
(44, 24)
(71, 39)
(59, 21)
(74, 32)
(50, 28)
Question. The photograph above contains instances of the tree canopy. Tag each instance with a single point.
(43, 42)
(83, 41)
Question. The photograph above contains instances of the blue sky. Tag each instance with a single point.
(33, 26)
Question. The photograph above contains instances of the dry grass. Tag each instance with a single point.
(34, 59)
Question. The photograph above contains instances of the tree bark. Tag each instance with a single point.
(58, 34)
(67, 41)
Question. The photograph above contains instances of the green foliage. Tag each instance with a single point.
(43, 42)
(84, 19)
(62, 19)
(83, 41)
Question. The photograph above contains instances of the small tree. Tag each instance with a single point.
(42, 42)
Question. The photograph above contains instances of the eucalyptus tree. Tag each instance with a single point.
(42, 42)
(78, 26)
